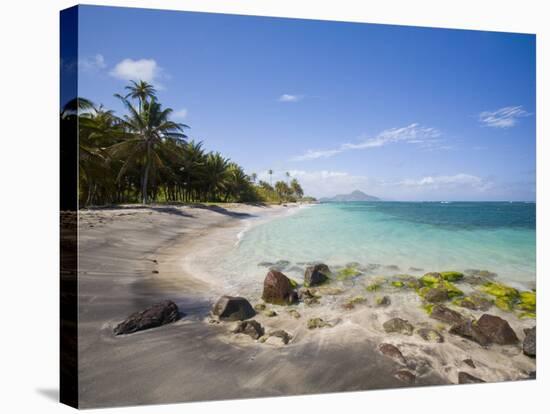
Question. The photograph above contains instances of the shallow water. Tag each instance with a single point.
(499, 237)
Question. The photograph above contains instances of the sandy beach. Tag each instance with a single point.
(133, 257)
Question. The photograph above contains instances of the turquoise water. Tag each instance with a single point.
(499, 237)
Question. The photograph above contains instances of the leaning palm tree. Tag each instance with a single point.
(147, 134)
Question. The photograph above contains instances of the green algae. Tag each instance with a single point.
(527, 301)
(452, 276)
(430, 279)
(397, 284)
(347, 273)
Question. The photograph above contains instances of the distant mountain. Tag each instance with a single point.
(353, 196)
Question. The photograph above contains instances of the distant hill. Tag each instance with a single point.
(353, 196)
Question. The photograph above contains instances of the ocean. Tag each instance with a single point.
(390, 238)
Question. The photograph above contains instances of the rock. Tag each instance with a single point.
(315, 323)
(465, 378)
(294, 313)
(251, 328)
(436, 295)
(393, 352)
(430, 279)
(278, 289)
(259, 307)
(415, 269)
(530, 342)
(452, 276)
(383, 301)
(392, 267)
(469, 362)
(284, 336)
(156, 315)
(270, 313)
(474, 302)
(497, 329)
(356, 300)
(430, 335)
(155, 272)
(316, 275)
(265, 264)
(398, 325)
(233, 308)
(444, 314)
(470, 330)
(405, 376)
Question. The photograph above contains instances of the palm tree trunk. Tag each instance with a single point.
(146, 175)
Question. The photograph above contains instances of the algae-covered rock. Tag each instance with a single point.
(500, 290)
(527, 301)
(315, 323)
(474, 302)
(397, 284)
(293, 283)
(452, 276)
(347, 273)
(294, 313)
(282, 335)
(258, 307)
(434, 295)
(270, 313)
(431, 279)
(430, 335)
(398, 325)
(383, 301)
(316, 275)
(374, 286)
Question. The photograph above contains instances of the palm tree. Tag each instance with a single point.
(141, 91)
(216, 174)
(253, 178)
(270, 172)
(296, 188)
(147, 134)
(287, 174)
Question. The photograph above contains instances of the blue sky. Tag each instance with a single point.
(403, 113)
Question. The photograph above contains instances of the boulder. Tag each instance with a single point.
(156, 315)
(392, 351)
(465, 378)
(251, 328)
(470, 330)
(405, 376)
(434, 295)
(497, 329)
(530, 342)
(398, 325)
(233, 308)
(430, 335)
(316, 275)
(278, 289)
(444, 314)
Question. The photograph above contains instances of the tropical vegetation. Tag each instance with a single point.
(144, 156)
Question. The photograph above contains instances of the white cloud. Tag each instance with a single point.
(411, 134)
(290, 98)
(142, 69)
(92, 63)
(502, 118)
(181, 114)
(448, 182)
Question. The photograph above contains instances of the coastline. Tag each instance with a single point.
(121, 251)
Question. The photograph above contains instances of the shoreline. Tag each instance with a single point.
(195, 359)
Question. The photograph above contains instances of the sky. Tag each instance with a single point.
(402, 113)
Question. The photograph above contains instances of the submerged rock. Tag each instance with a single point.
(474, 302)
(434, 295)
(430, 335)
(251, 328)
(278, 289)
(383, 301)
(282, 335)
(444, 314)
(398, 325)
(465, 378)
(405, 376)
(156, 315)
(497, 329)
(392, 351)
(471, 331)
(315, 323)
(316, 275)
(294, 313)
(233, 308)
(530, 342)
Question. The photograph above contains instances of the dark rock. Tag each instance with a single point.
(530, 342)
(436, 295)
(405, 376)
(430, 335)
(393, 352)
(469, 362)
(465, 378)
(278, 289)
(497, 329)
(157, 315)
(444, 314)
(316, 275)
(285, 336)
(233, 308)
(470, 330)
(398, 325)
(251, 328)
